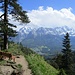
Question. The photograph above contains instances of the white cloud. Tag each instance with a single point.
(50, 17)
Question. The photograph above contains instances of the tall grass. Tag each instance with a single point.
(39, 66)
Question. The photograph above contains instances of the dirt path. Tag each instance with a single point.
(24, 64)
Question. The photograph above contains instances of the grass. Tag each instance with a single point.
(39, 66)
(15, 49)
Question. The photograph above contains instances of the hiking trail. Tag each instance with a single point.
(21, 60)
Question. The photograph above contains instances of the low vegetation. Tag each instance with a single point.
(15, 49)
(39, 66)
(2, 62)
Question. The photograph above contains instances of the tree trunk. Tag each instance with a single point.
(5, 24)
(5, 41)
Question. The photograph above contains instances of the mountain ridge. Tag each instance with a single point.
(56, 30)
(44, 39)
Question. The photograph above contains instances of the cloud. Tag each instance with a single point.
(50, 17)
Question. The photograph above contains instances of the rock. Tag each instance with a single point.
(10, 70)
(6, 70)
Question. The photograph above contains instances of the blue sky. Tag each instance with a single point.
(56, 4)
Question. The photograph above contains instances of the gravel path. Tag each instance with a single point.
(24, 64)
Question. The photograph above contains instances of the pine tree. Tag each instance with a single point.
(67, 60)
(1, 40)
(58, 60)
(62, 72)
(10, 7)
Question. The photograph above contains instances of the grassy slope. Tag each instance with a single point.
(36, 62)
(15, 49)
(39, 66)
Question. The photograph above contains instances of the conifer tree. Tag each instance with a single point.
(1, 40)
(62, 72)
(67, 60)
(10, 7)
(58, 60)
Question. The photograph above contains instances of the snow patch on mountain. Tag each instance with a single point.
(45, 31)
(33, 31)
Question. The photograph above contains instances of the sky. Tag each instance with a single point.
(56, 4)
(49, 13)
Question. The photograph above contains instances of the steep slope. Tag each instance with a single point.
(37, 64)
(40, 66)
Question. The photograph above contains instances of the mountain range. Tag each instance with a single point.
(44, 40)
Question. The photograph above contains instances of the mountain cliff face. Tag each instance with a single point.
(44, 39)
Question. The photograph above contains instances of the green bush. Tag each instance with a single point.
(19, 66)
